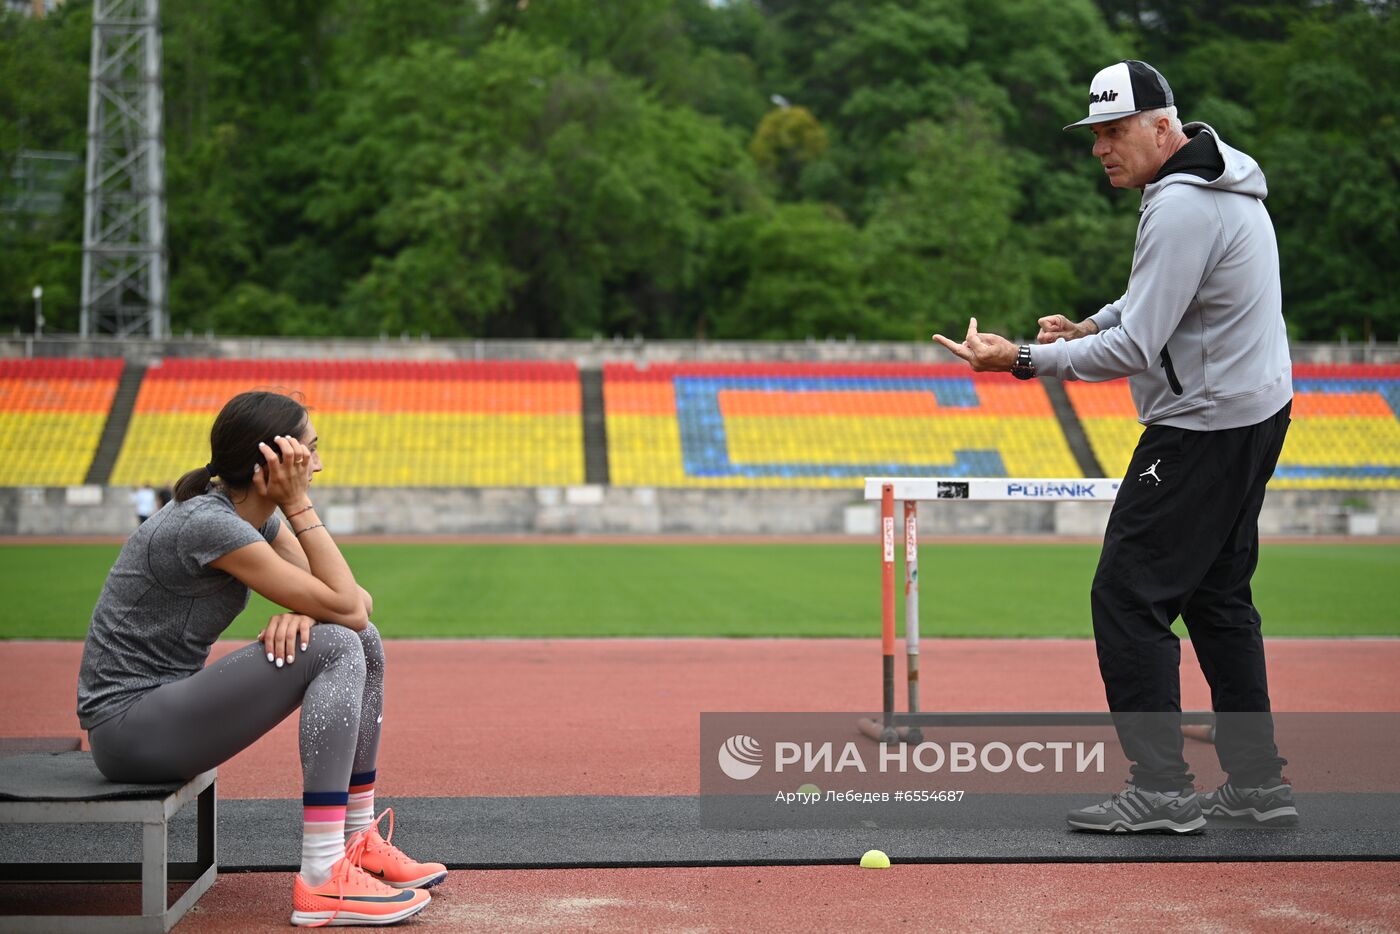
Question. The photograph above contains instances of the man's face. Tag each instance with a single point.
(1130, 152)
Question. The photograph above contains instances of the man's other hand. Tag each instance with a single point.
(1058, 327)
(983, 352)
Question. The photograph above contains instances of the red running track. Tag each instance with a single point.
(621, 716)
(1124, 898)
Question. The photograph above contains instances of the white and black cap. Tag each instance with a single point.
(1123, 89)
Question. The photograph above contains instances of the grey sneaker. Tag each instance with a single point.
(1270, 804)
(1134, 810)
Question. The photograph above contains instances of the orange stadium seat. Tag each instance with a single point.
(51, 417)
(381, 423)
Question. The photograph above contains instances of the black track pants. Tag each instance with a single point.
(1183, 540)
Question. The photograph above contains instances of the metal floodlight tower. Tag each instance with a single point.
(124, 252)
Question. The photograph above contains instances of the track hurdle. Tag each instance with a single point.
(911, 491)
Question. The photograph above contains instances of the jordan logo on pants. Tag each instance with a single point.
(1151, 472)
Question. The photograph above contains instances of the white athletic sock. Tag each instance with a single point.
(322, 842)
(359, 813)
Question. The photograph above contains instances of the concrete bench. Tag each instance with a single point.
(67, 788)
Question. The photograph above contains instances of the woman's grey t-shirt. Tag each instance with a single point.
(163, 607)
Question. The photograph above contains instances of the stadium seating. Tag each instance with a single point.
(1106, 414)
(51, 418)
(1345, 432)
(824, 425)
(1346, 429)
(504, 423)
(381, 423)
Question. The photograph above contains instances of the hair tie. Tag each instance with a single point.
(210, 467)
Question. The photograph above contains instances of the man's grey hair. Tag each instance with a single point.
(1149, 117)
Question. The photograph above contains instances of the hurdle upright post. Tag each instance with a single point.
(887, 605)
(911, 602)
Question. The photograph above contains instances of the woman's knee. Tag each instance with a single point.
(329, 642)
(371, 643)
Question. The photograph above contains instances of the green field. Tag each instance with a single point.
(532, 590)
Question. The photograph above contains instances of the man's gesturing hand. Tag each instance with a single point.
(1055, 327)
(984, 352)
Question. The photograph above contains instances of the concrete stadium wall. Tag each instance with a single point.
(596, 510)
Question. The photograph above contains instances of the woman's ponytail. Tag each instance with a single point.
(194, 483)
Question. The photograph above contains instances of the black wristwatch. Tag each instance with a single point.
(1023, 368)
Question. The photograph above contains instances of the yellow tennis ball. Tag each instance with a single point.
(808, 789)
(874, 859)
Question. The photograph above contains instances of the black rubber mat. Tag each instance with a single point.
(501, 833)
(68, 776)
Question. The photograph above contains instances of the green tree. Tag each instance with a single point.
(244, 82)
(43, 107)
(688, 52)
(532, 196)
(563, 167)
(787, 140)
(1329, 143)
(794, 272)
(942, 245)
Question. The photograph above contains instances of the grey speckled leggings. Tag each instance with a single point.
(180, 729)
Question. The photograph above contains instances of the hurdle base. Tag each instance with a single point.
(877, 731)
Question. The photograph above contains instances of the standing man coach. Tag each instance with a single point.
(1200, 335)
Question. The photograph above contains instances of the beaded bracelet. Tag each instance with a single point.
(318, 525)
(307, 508)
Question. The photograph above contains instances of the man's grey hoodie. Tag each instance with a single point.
(1200, 331)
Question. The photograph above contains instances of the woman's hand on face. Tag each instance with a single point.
(283, 634)
(288, 472)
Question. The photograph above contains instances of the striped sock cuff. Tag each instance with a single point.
(323, 807)
(324, 799)
(321, 815)
(361, 782)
